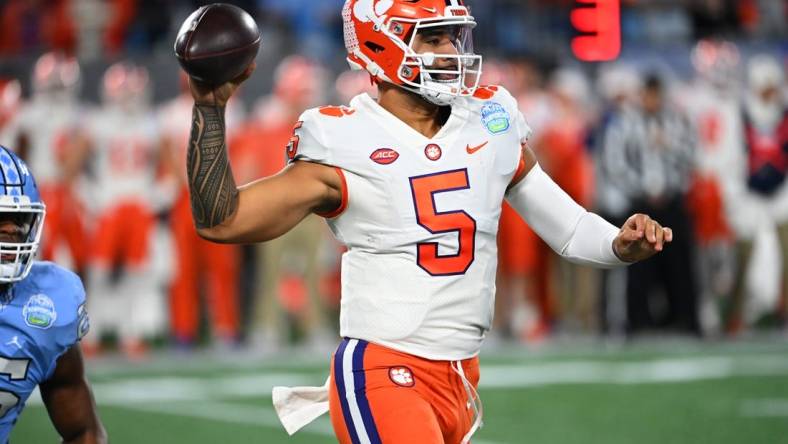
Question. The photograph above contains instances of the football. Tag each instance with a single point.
(217, 43)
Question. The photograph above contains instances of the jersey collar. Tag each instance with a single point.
(402, 131)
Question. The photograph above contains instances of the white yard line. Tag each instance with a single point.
(238, 414)
(626, 373)
(199, 397)
(230, 413)
(764, 408)
(494, 377)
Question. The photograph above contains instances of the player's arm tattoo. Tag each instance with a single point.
(214, 195)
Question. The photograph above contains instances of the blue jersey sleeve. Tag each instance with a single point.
(77, 323)
(58, 305)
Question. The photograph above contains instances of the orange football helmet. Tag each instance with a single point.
(717, 61)
(126, 84)
(56, 75)
(10, 99)
(379, 37)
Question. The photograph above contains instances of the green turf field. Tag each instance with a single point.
(666, 392)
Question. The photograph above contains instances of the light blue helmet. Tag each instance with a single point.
(19, 195)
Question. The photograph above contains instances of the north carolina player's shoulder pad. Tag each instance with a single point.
(318, 132)
(500, 112)
(55, 300)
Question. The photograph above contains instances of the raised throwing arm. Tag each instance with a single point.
(214, 195)
(257, 212)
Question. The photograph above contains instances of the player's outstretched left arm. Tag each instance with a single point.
(69, 401)
(576, 234)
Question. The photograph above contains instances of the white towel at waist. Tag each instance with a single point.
(298, 406)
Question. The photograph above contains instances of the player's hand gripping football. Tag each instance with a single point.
(218, 95)
(640, 238)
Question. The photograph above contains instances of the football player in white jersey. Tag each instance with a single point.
(50, 138)
(712, 103)
(123, 136)
(413, 184)
(10, 100)
(199, 264)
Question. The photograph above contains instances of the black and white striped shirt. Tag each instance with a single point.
(649, 155)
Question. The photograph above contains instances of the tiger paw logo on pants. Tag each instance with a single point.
(402, 376)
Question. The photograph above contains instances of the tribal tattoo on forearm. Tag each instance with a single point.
(214, 195)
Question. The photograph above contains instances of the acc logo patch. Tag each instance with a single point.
(39, 311)
(495, 118)
(384, 156)
(402, 376)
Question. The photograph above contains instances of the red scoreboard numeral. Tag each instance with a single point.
(600, 22)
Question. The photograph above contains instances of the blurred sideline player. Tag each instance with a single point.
(619, 86)
(287, 300)
(561, 150)
(125, 294)
(10, 101)
(413, 184)
(713, 104)
(51, 140)
(42, 318)
(757, 180)
(199, 264)
(523, 306)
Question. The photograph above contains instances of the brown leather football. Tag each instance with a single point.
(217, 43)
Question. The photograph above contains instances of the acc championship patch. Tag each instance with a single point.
(39, 312)
(495, 118)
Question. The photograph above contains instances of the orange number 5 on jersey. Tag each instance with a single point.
(424, 189)
(292, 146)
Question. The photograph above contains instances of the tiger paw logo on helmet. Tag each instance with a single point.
(380, 37)
(366, 10)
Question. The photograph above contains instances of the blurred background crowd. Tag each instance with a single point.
(687, 124)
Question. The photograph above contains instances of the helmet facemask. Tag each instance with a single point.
(442, 77)
(16, 258)
(381, 37)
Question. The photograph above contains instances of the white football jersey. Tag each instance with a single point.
(421, 218)
(125, 147)
(718, 122)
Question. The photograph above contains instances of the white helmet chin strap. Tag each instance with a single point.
(437, 92)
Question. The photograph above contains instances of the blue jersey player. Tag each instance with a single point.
(42, 318)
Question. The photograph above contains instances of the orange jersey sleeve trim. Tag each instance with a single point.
(343, 205)
(519, 174)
